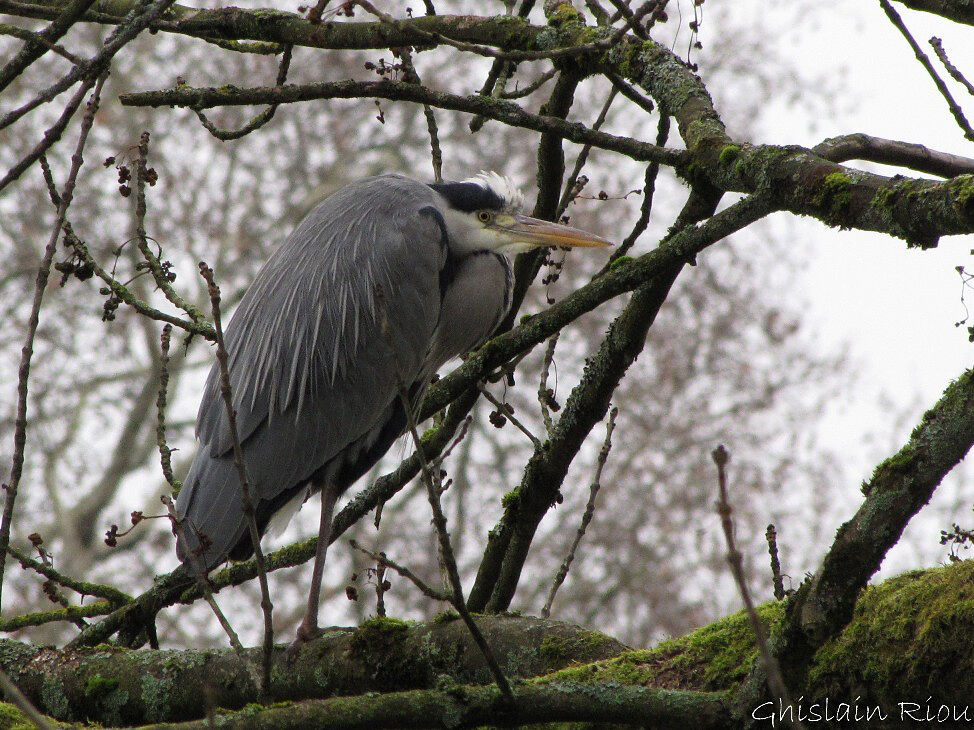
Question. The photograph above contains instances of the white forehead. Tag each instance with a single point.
(504, 186)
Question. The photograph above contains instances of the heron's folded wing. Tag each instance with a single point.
(339, 319)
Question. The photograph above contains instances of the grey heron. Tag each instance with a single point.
(376, 288)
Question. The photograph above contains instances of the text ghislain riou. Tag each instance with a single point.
(837, 712)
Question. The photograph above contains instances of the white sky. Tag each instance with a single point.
(896, 308)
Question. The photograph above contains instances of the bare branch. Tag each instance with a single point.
(507, 411)
(776, 682)
(594, 488)
(179, 527)
(51, 135)
(138, 19)
(37, 43)
(892, 152)
(426, 589)
(955, 109)
(779, 587)
(449, 560)
(162, 278)
(39, 39)
(504, 111)
(165, 453)
(938, 48)
(40, 284)
(258, 120)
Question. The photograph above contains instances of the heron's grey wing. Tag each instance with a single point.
(338, 320)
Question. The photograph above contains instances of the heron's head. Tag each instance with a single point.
(484, 213)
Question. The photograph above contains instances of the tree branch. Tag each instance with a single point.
(499, 109)
(892, 152)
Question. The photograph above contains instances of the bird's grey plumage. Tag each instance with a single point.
(360, 301)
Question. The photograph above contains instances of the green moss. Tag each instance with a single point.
(12, 718)
(716, 657)
(884, 202)
(445, 617)
(621, 261)
(729, 154)
(902, 643)
(98, 686)
(962, 191)
(883, 199)
(834, 199)
(429, 434)
(511, 499)
(377, 633)
(563, 15)
(580, 646)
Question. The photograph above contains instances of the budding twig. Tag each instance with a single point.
(248, 505)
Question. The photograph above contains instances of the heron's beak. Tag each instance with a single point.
(544, 233)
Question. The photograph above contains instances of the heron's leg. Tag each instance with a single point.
(309, 624)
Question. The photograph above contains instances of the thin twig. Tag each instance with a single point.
(137, 20)
(436, 154)
(938, 48)
(446, 552)
(532, 87)
(163, 279)
(405, 572)
(82, 588)
(623, 9)
(258, 120)
(546, 395)
(461, 435)
(51, 136)
(40, 285)
(567, 195)
(776, 682)
(586, 516)
(646, 209)
(32, 37)
(955, 109)
(12, 692)
(248, 506)
(508, 412)
(38, 42)
(448, 563)
(500, 71)
(165, 453)
(772, 537)
(119, 290)
(198, 569)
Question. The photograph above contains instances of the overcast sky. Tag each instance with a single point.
(896, 308)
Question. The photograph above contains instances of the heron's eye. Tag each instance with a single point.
(485, 216)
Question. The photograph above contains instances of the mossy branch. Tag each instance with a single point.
(897, 490)
(922, 661)
(113, 685)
